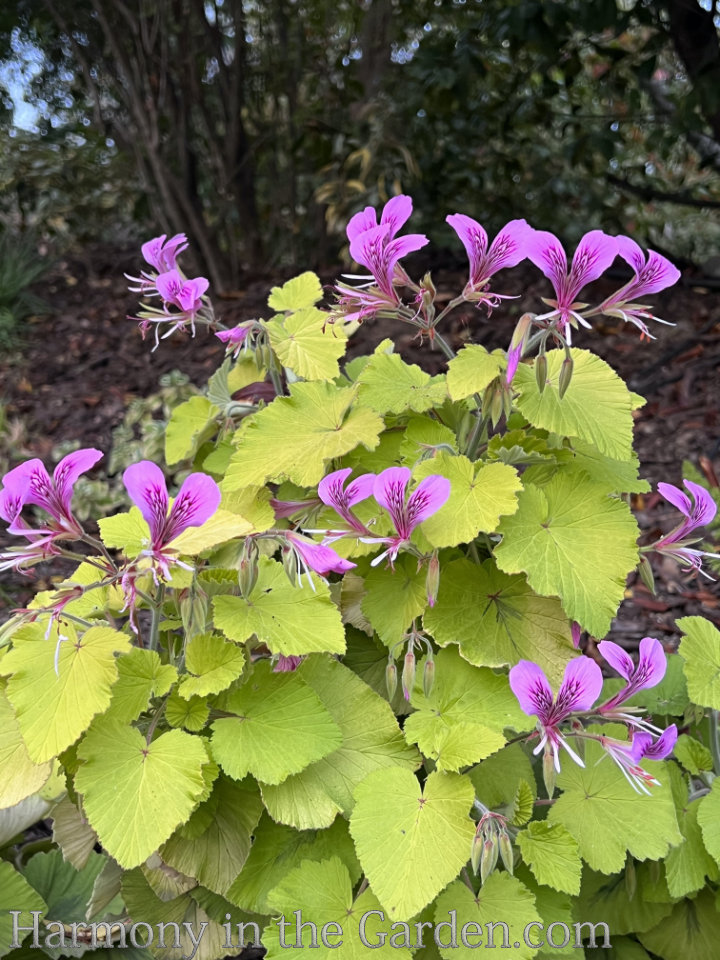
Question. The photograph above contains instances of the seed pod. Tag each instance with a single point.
(541, 371)
(408, 674)
(506, 851)
(566, 372)
(646, 574)
(391, 679)
(428, 676)
(549, 772)
(489, 858)
(432, 579)
(248, 568)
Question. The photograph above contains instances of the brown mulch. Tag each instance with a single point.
(78, 368)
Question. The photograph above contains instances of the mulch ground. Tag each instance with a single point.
(78, 368)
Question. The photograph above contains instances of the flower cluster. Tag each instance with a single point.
(580, 688)
(699, 509)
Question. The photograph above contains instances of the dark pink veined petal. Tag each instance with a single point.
(169, 286)
(581, 685)
(631, 253)
(31, 482)
(594, 254)
(10, 505)
(173, 248)
(663, 746)
(676, 497)
(652, 664)
(191, 292)
(431, 494)
(287, 664)
(360, 489)
(395, 250)
(146, 486)
(546, 252)
(162, 255)
(235, 336)
(619, 659)
(197, 500)
(389, 490)
(704, 508)
(474, 239)
(637, 748)
(530, 685)
(651, 275)
(69, 469)
(575, 632)
(508, 248)
(361, 223)
(151, 251)
(322, 560)
(367, 248)
(513, 358)
(396, 213)
(331, 488)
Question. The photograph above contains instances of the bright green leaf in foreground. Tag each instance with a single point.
(552, 855)
(293, 437)
(394, 597)
(215, 663)
(53, 709)
(190, 423)
(306, 346)
(302, 291)
(428, 832)
(688, 864)
(471, 371)
(134, 793)
(141, 676)
(700, 650)
(479, 495)
(281, 727)
(21, 776)
(575, 542)
(389, 385)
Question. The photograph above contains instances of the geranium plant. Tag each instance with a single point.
(339, 671)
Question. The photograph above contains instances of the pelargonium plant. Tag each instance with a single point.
(336, 676)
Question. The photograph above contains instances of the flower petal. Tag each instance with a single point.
(581, 685)
(663, 746)
(652, 663)
(396, 212)
(530, 685)
(398, 248)
(69, 469)
(508, 248)
(594, 254)
(546, 252)
(704, 508)
(320, 559)
(197, 500)
(360, 489)
(431, 494)
(146, 486)
(618, 658)
(474, 238)
(389, 488)
(676, 497)
(361, 223)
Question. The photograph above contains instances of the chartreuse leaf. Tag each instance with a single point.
(191, 714)
(214, 662)
(693, 755)
(304, 345)
(136, 793)
(322, 891)
(15, 894)
(504, 903)
(389, 385)
(278, 849)
(498, 779)
(290, 620)
(600, 809)
(141, 675)
(372, 740)
(462, 720)
(597, 406)
(688, 864)
(691, 930)
(429, 832)
(553, 907)
(21, 776)
(700, 650)
(606, 899)
(616, 476)
(281, 727)
(497, 619)
(222, 526)
(190, 424)
(574, 542)
(394, 597)
(252, 503)
(552, 855)
(708, 817)
(92, 603)
(53, 709)
(421, 437)
(471, 371)
(215, 842)
(302, 291)
(479, 495)
(293, 437)
(127, 531)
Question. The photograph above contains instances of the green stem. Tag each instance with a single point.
(155, 622)
(715, 740)
(477, 433)
(444, 345)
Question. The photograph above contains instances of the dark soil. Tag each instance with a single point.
(77, 369)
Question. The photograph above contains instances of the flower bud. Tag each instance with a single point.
(566, 372)
(549, 772)
(506, 851)
(476, 852)
(193, 610)
(522, 328)
(496, 406)
(541, 371)
(391, 679)
(428, 676)
(432, 579)
(646, 574)
(248, 568)
(289, 562)
(489, 858)
(408, 674)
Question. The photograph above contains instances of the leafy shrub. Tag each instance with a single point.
(21, 266)
(322, 678)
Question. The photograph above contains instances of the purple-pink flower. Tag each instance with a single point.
(316, 557)
(234, 338)
(507, 250)
(627, 754)
(406, 513)
(652, 274)
(162, 254)
(287, 664)
(594, 254)
(580, 688)
(648, 672)
(699, 509)
(334, 492)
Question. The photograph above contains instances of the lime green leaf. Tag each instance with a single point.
(700, 650)
(615, 476)
(605, 899)
(607, 818)
(141, 675)
(134, 793)
(687, 865)
(421, 437)
(708, 816)
(552, 855)
(191, 714)
(300, 292)
(125, 531)
(471, 371)
(290, 620)
(497, 619)
(294, 437)
(21, 776)
(215, 663)
(479, 495)
(322, 891)
(253, 504)
(553, 907)
(281, 728)
(53, 709)
(462, 720)
(72, 833)
(221, 527)
(523, 805)
(574, 542)
(498, 779)
(389, 385)
(691, 930)
(503, 901)
(215, 855)
(372, 740)
(429, 832)
(277, 849)
(394, 597)
(190, 424)
(692, 754)
(304, 344)
(15, 894)
(597, 406)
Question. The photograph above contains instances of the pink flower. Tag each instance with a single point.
(161, 254)
(628, 754)
(699, 509)
(287, 664)
(316, 557)
(333, 493)
(406, 513)
(649, 671)
(507, 250)
(651, 274)
(234, 339)
(184, 294)
(594, 254)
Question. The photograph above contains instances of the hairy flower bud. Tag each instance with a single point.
(506, 851)
(408, 674)
(476, 852)
(432, 579)
(248, 567)
(646, 574)
(391, 679)
(489, 858)
(541, 371)
(194, 607)
(289, 562)
(428, 676)
(566, 372)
